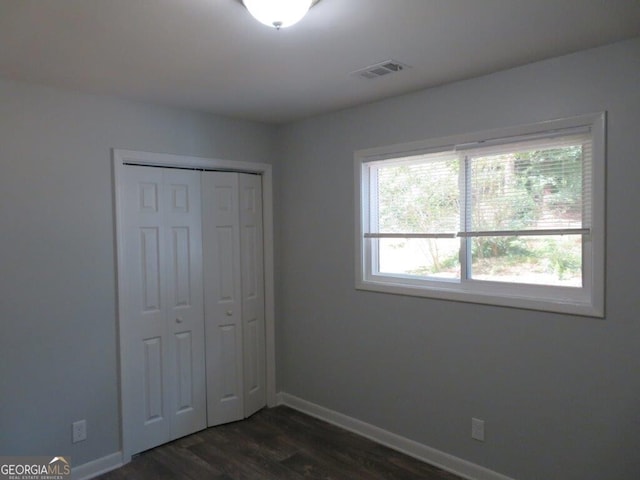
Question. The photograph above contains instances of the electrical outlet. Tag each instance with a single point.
(79, 431)
(477, 429)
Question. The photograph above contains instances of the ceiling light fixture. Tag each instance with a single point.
(279, 13)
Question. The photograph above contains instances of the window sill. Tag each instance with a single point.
(571, 306)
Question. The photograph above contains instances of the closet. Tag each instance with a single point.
(191, 301)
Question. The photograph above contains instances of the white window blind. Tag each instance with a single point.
(532, 187)
(513, 188)
(417, 197)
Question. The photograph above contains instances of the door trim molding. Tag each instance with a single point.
(123, 157)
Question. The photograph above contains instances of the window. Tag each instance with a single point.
(512, 217)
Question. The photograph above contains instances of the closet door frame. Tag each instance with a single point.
(121, 158)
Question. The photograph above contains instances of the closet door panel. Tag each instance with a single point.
(251, 252)
(162, 328)
(185, 309)
(152, 381)
(223, 303)
(143, 329)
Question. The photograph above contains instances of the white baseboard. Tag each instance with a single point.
(97, 467)
(417, 450)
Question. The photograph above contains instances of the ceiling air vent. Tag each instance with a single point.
(380, 69)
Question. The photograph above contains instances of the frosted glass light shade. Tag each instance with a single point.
(278, 13)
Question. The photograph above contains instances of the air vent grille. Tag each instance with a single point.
(380, 69)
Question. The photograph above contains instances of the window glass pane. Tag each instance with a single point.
(539, 260)
(421, 257)
(418, 195)
(527, 189)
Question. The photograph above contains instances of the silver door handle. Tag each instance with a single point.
(179, 320)
(229, 313)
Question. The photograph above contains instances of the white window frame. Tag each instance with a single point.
(587, 300)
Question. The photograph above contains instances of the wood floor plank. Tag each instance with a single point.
(183, 463)
(275, 444)
(335, 446)
(242, 460)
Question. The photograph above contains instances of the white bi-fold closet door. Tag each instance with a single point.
(234, 295)
(162, 308)
(191, 301)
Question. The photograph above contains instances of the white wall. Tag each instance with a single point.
(560, 394)
(58, 357)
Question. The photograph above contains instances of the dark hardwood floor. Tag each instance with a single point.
(279, 444)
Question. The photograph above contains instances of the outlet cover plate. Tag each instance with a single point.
(477, 429)
(79, 431)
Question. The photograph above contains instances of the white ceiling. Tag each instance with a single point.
(211, 55)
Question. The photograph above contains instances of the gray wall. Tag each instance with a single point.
(560, 394)
(58, 358)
